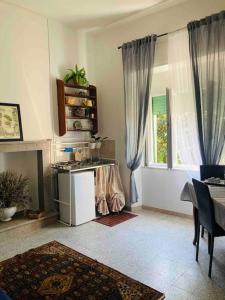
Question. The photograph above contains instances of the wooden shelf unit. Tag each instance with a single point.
(78, 117)
(76, 106)
(61, 94)
(79, 96)
(78, 129)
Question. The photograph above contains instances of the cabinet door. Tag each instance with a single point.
(84, 190)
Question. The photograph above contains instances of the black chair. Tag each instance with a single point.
(206, 218)
(207, 171)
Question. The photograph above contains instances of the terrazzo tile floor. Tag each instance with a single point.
(153, 248)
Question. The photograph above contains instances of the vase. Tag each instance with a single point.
(80, 83)
(98, 145)
(92, 145)
(7, 213)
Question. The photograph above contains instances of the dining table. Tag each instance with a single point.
(217, 192)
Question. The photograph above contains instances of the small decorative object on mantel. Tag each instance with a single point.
(10, 123)
(35, 214)
(76, 75)
(14, 194)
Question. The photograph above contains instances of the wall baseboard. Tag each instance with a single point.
(167, 212)
(127, 207)
(136, 208)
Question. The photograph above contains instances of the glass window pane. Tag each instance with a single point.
(159, 129)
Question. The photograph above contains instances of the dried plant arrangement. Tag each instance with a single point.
(14, 190)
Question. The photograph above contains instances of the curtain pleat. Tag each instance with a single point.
(138, 61)
(207, 51)
(109, 190)
(183, 109)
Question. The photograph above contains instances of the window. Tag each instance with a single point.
(172, 138)
(159, 129)
(159, 132)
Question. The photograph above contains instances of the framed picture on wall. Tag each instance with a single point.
(10, 123)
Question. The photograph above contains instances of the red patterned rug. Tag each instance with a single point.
(115, 219)
(56, 272)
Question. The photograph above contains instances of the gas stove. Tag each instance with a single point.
(67, 165)
(76, 165)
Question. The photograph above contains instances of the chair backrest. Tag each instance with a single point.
(207, 171)
(205, 206)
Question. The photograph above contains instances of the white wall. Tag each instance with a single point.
(162, 189)
(34, 52)
(105, 69)
(24, 79)
(66, 48)
(24, 68)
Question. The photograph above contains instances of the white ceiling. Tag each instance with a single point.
(86, 13)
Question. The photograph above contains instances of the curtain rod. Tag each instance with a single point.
(163, 34)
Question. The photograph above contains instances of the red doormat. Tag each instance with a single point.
(112, 220)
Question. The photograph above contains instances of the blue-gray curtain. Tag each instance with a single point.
(207, 50)
(138, 60)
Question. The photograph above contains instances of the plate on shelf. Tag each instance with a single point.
(77, 125)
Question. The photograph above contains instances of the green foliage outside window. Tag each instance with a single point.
(161, 138)
(159, 112)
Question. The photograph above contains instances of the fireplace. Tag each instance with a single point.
(41, 150)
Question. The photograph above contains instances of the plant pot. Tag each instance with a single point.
(92, 145)
(98, 145)
(7, 213)
(80, 83)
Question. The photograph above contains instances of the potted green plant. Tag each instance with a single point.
(14, 193)
(92, 143)
(76, 75)
(97, 140)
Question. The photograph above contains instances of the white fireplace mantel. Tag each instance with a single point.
(25, 146)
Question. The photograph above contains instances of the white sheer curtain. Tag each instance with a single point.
(184, 121)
